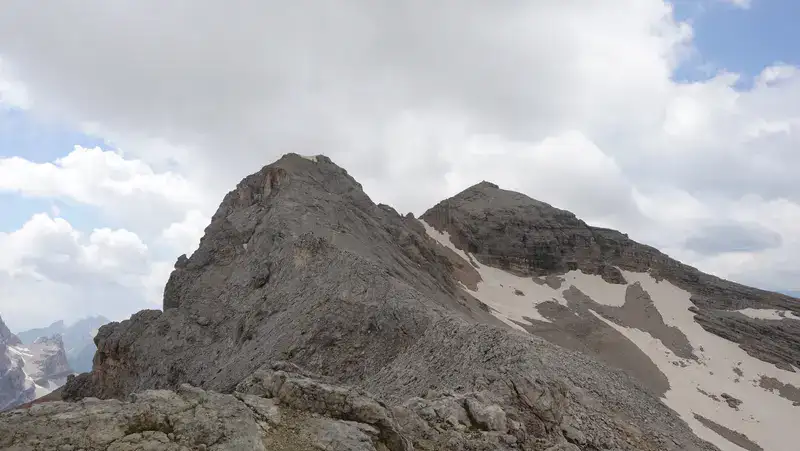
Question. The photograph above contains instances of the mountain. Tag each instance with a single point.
(30, 371)
(78, 339)
(311, 318)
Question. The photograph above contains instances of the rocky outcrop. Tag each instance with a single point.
(511, 231)
(154, 420)
(776, 342)
(282, 407)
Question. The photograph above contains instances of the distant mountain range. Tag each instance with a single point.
(78, 339)
(30, 370)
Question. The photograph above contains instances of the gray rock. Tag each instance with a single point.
(487, 417)
(574, 435)
(564, 447)
(342, 435)
(157, 420)
(732, 402)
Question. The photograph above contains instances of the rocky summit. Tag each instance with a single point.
(310, 318)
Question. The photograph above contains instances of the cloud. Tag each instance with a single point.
(105, 269)
(246, 82)
(50, 270)
(127, 189)
(12, 93)
(743, 4)
(184, 236)
(727, 238)
(571, 102)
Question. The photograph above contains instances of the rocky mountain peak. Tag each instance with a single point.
(518, 233)
(28, 371)
(483, 185)
(54, 341)
(310, 315)
(6, 336)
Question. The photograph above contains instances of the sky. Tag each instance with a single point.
(123, 124)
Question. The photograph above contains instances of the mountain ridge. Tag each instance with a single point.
(468, 327)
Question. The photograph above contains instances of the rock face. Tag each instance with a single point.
(78, 339)
(311, 318)
(511, 231)
(29, 371)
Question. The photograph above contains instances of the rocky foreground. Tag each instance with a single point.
(311, 318)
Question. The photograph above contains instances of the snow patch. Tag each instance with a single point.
(498, 288)
(595, 287)
(31, 359)
(310, 157)
(763, 416)
(758, 313)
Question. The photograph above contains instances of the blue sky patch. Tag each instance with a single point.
(37, 140)
(28, 137)
(740, 40)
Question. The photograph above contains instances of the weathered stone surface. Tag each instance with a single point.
(157, 419)
(190, 418)
(486, 417)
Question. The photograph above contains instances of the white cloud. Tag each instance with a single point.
(48, 254)
(571, 102)
(12, 93)
(184, 236)
(51, 248)
(743, 4)
(125, 188)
